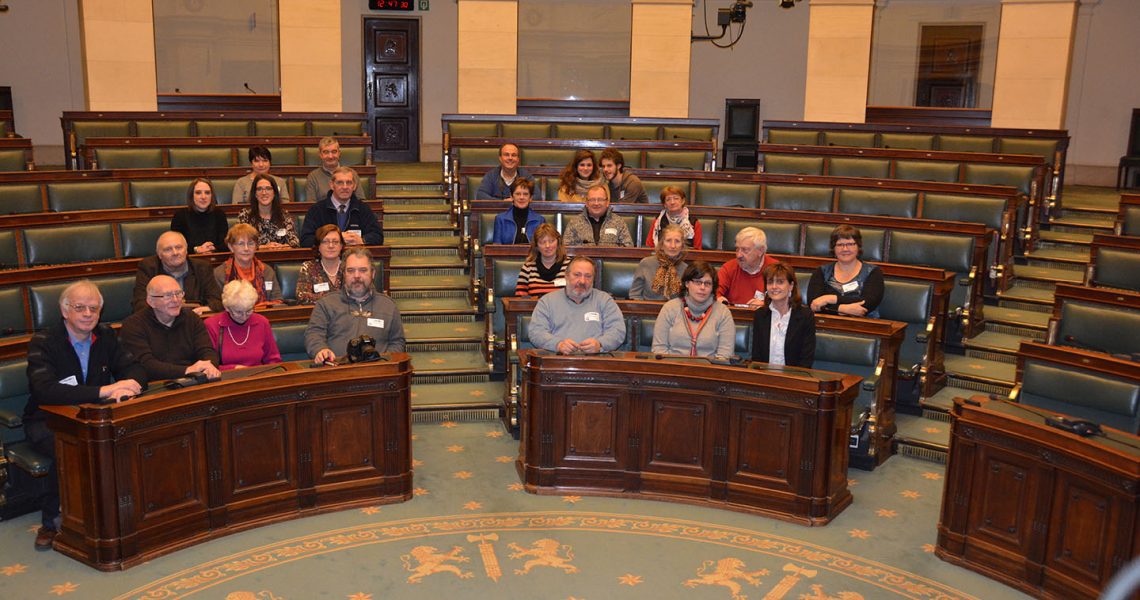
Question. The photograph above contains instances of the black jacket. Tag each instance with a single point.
(359, 217)
(51, 359)
(799, 343)
(200, 285)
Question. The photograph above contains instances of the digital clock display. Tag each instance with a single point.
(391, 4)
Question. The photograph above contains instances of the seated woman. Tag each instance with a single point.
(244, 265)
(202, 223)
(516, 224)
(274, 226)
(545, 268)
(847, 286)
(241, 337)
(783, 331)
(676, 212)
(658, 276)
(695, 324)
(260, 159)
(579, 176)
(323, 274)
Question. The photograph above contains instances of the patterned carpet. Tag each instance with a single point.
(471, 532)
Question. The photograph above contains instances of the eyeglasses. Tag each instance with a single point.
(333, 242)
(244, 244)
(168, 296)
(845, 244)
(83, 308)
(701, 282)
(264, 189)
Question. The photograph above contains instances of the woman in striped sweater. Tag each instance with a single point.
(545, 268)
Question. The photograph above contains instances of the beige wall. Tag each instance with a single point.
(838, 60)
(659, 58)
(1034, 47)
(118, 54)
(310, 71)
(487, 78)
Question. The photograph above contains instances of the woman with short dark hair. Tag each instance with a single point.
(695, 324)
(260, 160)
(847, 286)
(516, 225)
(325, 273)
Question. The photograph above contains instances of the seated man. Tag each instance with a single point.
(624, 186)
(319, 180)
(76, 362)
(597, 225)
(195, 277)
(356, 310)
(342, 208)
(739, 280)
(577, 319)
(169, 339)
(496, 184)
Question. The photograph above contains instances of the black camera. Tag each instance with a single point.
(362, 349)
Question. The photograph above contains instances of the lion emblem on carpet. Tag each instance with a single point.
(545, 554)
(725, 572)
(432, 561)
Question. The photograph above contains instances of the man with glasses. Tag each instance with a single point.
(356, 310)
(342, 208)
(597, 225)
(169, 339)
(319, 180)
(75, 362)
(195, 277)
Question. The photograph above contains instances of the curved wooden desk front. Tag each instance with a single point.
(168, 470)
(770, 442)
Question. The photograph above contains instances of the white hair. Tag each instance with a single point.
(753, 235)
(239, 294)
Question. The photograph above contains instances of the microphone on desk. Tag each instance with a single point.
(729, 361)
(1076, 343)
(246, 85)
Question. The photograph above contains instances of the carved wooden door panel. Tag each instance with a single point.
(392, 87)
(949, 66)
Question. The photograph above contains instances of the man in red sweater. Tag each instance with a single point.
(739, 280)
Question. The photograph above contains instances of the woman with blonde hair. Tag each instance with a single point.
(658, 276)
(545, 268)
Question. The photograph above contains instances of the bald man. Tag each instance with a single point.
(195, 277)
(169, 340)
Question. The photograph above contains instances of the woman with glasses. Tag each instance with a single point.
(324, 273)
(242, 241)
(695, 324)
(241, 337)
(658, 276)
(265, 213)
(847, 286)
(201, 222)
(783, 330)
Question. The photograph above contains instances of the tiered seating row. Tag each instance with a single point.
(653, 154)
(16, 154)
(1114, 262)
(173, 152)
(1128, 216)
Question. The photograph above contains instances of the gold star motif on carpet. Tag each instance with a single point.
(359, 596)
(463, 474)
(15, 569)
(933, 430)
(462, 329)
(887, 513)
(424, 304)
(370, 510)
(911, 494)
(477, 393)
(415, 395)
(33, 529)
(504, 459)
(859, 534)
(928, 548)
(473, 505)
(852, 482)
(455, 448)
(571, 499)
(415, 437)
(516, 487)
(449, 424)
(629, 579)
(437, 361)
(420, 492)
(494, 434)
(417, 463)
(932, 476)
(64, 588)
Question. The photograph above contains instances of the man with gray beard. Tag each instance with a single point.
(577, 319)
(356, 310)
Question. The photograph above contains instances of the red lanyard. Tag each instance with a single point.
(693, 335)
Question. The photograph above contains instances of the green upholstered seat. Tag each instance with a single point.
(277, 128)
(201, 157)
(1011, 175)
(223, 188)
(817, 242)
(710, 232)
(1116, 268)
(12, 319)
(576, 131)
(544, 157)
(653, 188)
(1099, 327)
(299, 193)
(117, 293)
(86, 129)
(21, 198)
(13, 160)
(501, 281)
(793, 164)
(13, 398)
(43, 301)
(290, 338)
(1104, 399)
(793, 137)
(84, 195)
(367, 188)
(1129, 224)
(616, 276)
(335, 128)
(923, 170)
(798, 197)
(713, 193)
(633, 132)
(941, 251)
(908, 302)
(486, 227)
(523, 131)
(172, 128)
(853, 355)
(1046, 149)
(549, 189)
(282, 155)
(877, 168)
(56, 245)
(5, 127)
(783, 238)
(478, 157)
(128, 158)
(632, 222)
(971, 209)
(138, 238)
(906, 141)
(485, 129)
(857, 139)
(287, 274)
(854, 201)
(472, 182)
(353, 156)
(223, 128)
(965, 143)
(675, 159)
(686, 133)
(164, 192)
(9, 256)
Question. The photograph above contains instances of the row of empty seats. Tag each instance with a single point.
(155, 153)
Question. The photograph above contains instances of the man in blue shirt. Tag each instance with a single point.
(496, 184)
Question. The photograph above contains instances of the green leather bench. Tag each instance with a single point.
(139, 238)
(334, 128)
(874, 168)
(172, 128)
(179, 158)
(910, 302)
(13, 160)
(615, 276)
(526, 131)
(855, 139)
(878, 202)
(1099, 327)
(1085, 393)
(713, 193)
(127, 158)
(952, 253)
(1116, 268)
(793, 137)
(278, 128)
(907, 141)
(162, 192)
(209, 128)
(85, 195)
(290, 338)
(633, 132)
(783, 238)
(287, 274)
(56, 245)
(12, 319)
(917, 170)
(350, 156)
(9, 254)
(799, 197)
(21, 198)
(538, 157)
(675, 159)
(1129, 220)
(574, 131)
(791, 164)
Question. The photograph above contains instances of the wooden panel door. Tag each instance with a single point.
(392, 88)
(949, 61)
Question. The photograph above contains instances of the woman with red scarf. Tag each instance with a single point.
(242, 241)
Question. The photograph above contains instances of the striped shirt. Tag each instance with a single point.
(532, 283)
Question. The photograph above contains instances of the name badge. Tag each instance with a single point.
(758, 295)
(321, 287)
(611, 231)
(593, 316)
(269, 286)
(377, 323)
(850, 286)
(355, 232)
(69, 380)
(281, 232)
(559, 282)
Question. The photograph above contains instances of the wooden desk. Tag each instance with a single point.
(169, 470)
(762, 441)
(1040, 509)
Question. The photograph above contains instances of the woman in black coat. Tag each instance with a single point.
(793, 341)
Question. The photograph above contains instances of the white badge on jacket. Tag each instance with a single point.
(611, 231)
(269, 286)
(69, 380)
(377, 323)
(593, 316)
(321, 287)
(850, 286)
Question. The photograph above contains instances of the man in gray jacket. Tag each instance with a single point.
(358, 309)
(577, 319)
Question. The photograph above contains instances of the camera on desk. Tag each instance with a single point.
(362, 349)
